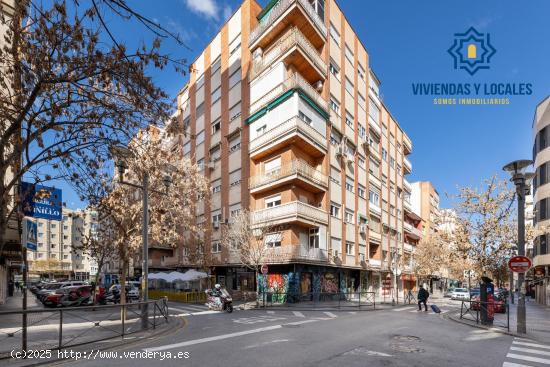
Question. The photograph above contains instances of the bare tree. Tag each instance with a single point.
(68, 90)
(251, 241)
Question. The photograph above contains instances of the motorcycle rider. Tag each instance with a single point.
(217, 294)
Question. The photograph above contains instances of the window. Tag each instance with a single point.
(53, 235)
(65, 227)
(273, 166)
(374, 111)
(261, 130)
(384, 155)
(273, 240)
(334, 138)
(335, 210)
(349, 216)
(52, 245)
(217, 218)
(362, 131)
(362, 102)
(216, 186)
(235, 178)
(235, 47)
(334, 105)
(361, 191)
(53, 225)
(349, 86)
(200, 164)
(235, 112)
(187, 148)
(200, 81)
(336, 244)
(319, 7)
(216, 65)
(200, 110)
(235, 144)
(304, 117)
(53, 256)
(200, 138)
(361, 162)
(349, 184)
(349, 119)
(65, 218)
(215, 153)
(216, 126)
(273, 201)
(40, 234)
(216, 95)
(374, 198)
(65, 256)
(40, 224)
(392, 162)
(216, 247)
(349, 248)
(334, 70)
(314, 238)
(348, 53)
(361, 72)
(335, 175)
(235, 78)
(234, 210)
(334, 34)
(65, 237)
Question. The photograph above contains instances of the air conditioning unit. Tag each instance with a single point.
(363, 229)
(216, 225)
(340, 151)
(366, 145)
(319, 86)
(211, 165)
(336, 254)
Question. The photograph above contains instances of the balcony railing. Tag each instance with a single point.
(407, 186)
(293, 125)
(290, 253)
(407, 142)
(292, 38)
(278, 10)
(408, 247)
(289, 212)
(375, 263)
(407, 164)
(295, 167)
(295, 81)
(375, 208)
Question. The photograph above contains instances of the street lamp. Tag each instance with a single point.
(121, 155)
(521, 179)
(396, 272)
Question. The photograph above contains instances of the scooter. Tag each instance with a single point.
(225, 304)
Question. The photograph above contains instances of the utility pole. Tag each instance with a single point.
(145, 240)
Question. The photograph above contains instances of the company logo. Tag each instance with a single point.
(472, 51)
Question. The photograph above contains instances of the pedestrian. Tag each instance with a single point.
(422, 297)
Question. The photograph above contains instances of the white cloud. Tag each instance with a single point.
(206, 8)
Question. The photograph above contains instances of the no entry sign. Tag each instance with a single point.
(519, 264)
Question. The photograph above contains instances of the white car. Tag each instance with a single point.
(461, 293)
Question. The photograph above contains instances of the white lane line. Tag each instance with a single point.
(352, 312)
(510, 364)
(270, 312)
(302, 322)
(529, 350)
(213, 338)
(531, 344)
(330, 314)
(528, 358)
(298, 314)
(402, 309)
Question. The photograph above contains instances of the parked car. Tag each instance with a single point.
(474, 292)
(113, 295)
(46, 290)
(80, 295)
(449, 292)
(499, 303)
(460, 293)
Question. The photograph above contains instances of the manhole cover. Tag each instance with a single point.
(406, 337)
(406, 348)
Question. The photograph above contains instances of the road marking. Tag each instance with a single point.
(302, 322)
(402, 309)
(510, 364)
(298, 314)
(213, 338)
(270, 312)
(330, 314)
(529, 350)
(531, 344)
(266, 343)
(205, 312)
(352, 312)
(528, 358)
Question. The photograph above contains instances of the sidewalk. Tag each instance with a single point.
(538, 321)
(15, 303)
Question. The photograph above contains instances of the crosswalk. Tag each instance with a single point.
(189, 309)
(414, 309)
(527, 353)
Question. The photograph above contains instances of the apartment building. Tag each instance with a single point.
(55, 256)
(283, 111)
(541, 157)
(425, 202)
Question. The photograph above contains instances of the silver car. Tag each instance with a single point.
(461, 294)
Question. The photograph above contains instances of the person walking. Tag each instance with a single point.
(422, 297)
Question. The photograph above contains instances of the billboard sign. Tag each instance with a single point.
(30, 234)
(41, 201)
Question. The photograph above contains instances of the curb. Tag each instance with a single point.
(170, 328)
(478, 326)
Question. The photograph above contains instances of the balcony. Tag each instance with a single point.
(407, 165)
(295, 211)
(375, 126)
(293, 253)
(407, 186)
(294, 171)
(375, 209)
(374, 152)
(375, 263)
(375, 180)
(350, 260)
(296, 50)
(292, 131)
(375, 236)
(294, 82)
(412, 231)
(407, 144)
(282, 16)
(408, 247)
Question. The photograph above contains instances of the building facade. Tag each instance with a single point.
(283, 112)
(541, 199)
(425, 202)
(56, 257)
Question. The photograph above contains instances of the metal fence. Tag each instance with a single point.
(72, 326)
(471, 310)
(185, 297)
(337, 300)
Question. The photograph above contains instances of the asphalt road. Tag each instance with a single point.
(282, 337)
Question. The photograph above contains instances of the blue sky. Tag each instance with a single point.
(407, 42)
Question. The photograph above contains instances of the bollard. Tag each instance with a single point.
(60, 328)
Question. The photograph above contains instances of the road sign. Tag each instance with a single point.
(519, 264)
(264, 269)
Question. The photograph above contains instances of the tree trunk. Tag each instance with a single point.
(257, 288)
(123, 288)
